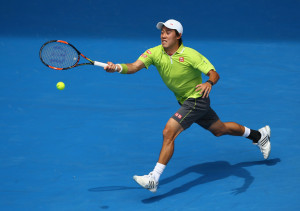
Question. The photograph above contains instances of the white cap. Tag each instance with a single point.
(171, 24)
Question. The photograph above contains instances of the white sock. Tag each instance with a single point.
(247, 132)
(158, 170)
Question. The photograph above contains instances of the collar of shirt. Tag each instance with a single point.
(179, 50)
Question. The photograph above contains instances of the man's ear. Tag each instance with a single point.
(180, 35)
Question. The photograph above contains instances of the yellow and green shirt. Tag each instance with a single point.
(181, 72)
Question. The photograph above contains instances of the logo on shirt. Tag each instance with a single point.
(178, 115)
(148, 52)
(144, 55)
(181, 59)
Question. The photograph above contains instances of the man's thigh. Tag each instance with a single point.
(173, 128)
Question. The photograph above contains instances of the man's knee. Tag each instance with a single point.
(168, 133)
(218, 129)
(218, 133)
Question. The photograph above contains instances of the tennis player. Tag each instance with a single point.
(181, 69)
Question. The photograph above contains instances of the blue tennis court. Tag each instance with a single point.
(77, 149)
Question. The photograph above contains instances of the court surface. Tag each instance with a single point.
(77, 149)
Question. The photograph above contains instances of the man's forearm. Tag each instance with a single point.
(213, 76)
(131, 68)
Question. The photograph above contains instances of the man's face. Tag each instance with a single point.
(168, 37)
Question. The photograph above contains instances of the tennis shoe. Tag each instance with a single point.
(264, 143)
(147, 181)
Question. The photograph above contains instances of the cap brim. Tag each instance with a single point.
(159, 25)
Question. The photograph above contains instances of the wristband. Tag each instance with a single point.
(121, 68)
(124, 69)
(210, 82)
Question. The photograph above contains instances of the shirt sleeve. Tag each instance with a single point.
(147, 58)
(202, 64)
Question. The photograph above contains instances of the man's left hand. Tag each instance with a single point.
(204, 89)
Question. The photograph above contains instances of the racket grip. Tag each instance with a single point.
(100, 64)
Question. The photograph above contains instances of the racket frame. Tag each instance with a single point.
(91, 62)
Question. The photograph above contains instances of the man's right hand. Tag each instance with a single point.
(111, 67)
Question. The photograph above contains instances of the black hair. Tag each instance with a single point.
(180, 40)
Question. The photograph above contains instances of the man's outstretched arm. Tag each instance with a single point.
(125, 68)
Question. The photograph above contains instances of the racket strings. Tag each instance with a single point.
(59, 55)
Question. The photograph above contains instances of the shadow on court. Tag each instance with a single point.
(112, 188)
(210, 172)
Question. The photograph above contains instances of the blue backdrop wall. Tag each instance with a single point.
(221, 19)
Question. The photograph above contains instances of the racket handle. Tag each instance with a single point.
(100, 64)
(103, 65)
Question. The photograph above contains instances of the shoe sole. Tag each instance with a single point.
(268, 129)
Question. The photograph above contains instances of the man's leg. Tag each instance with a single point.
(260, 137)
(226, 128)
(220, 128)
(171, 131)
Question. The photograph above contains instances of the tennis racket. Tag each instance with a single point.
(61, 55)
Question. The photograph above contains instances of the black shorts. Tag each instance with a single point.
(196, 110)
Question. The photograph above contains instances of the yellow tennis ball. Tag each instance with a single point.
(60, 85)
